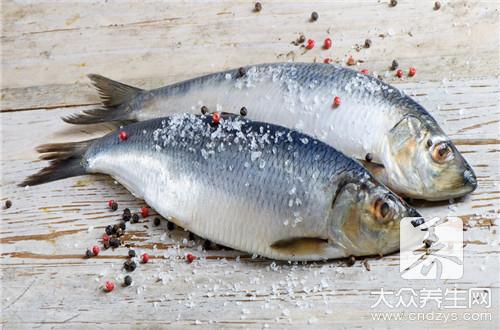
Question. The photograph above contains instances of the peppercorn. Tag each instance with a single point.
(127, 281)
(216, 118)
(393, 3)
(96, 250)
(310, 44)
(131, 253)
(327, 60)
(109, 230)
(157, 221)
(129, 265)
(8, 204)
(190, 258)
(109, 286)
(126, 211)
(204, 110)
(368, 157)
(135, 218)
(105, 238)
(327, 44)
(105, 244)
(243, 111)
(412, 72)
(314, 16)
(241, 72)
(170, 225)
(114, 206)
(122, 225)
(258, 7)
(126, 216)
(394, 65)
(191, 236)
(399, 73)
(364, 71)
(351, 61)
(119, 232)
(89, 253)
(115, 228)
(428, 243)
(114, 242)
(336, 101)
(207, 244)
(144, 212)
(368, 43)
(301, 39)
(437, 5)
(145, 258)
(351, 261)
(122, 136)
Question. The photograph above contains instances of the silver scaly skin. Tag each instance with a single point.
(410, 152)
(252, 186)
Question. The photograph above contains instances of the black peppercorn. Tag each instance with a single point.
(135, 218)
(170, 225)
(122, 225)
(127, 280)
(351, 261)
(394, 65)
(437, 5)
(130, 265)
(258, 6)
(368, 43)
(114, 206)
(314, 16)
(126, 216)
(243, 111)
(114, 242)
(157, 221)
(191, 236)
(207, 244)
(109, 230)
(393, 3)
(204, 110)
(368, 157)
(89, 254)
(8, 204)
(131, 253)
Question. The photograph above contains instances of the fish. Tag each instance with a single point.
(389, 132)
(251, 186)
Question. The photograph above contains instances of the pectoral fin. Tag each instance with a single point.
(298, 246)
(377, 170)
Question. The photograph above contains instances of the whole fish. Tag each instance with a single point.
(252, 186)
(398, 140)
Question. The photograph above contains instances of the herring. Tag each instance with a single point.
(409, 152)
(251, 186)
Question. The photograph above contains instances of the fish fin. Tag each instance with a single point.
(377, 170)
(301, 245)
(66, 160)
(113, 95)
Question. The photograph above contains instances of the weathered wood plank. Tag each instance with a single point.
(49, 47)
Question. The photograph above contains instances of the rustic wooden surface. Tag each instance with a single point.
(49, 47)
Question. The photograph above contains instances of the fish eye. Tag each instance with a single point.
(429, 143)
(442, 152)
(383, 210)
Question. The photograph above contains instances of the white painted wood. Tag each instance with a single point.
(49, 47)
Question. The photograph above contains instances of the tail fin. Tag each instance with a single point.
(66, 160)
(113, 94)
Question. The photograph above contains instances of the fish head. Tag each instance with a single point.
(365, 218)
(421, 162)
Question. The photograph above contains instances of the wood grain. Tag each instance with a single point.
(49, 47)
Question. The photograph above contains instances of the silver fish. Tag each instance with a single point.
(402, 144)
(251, 186)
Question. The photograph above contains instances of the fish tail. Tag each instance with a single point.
(114, 95)
(66, 160)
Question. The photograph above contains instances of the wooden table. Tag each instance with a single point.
(48, 48)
